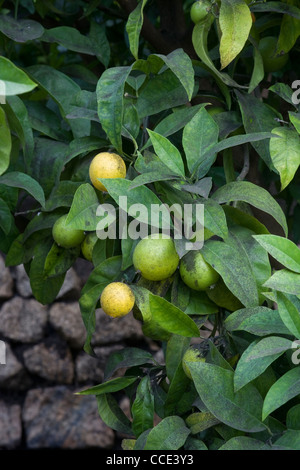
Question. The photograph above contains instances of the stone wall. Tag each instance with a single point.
(46, 365)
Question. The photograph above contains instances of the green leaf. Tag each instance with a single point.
(199, 134)
(160, 93)
(278, 7)
(257, 256)
(126, 357)
(259, 321)
(286, 388)
(170, 434)
(293, 418)
(100, 42)
(289, 314)
(45, 290)
(150, 177)
(59, 260)
(47, 163)
(282, 249)
(171, 318)
(82, 214)
(5, 139)
(70, 38)
(257, 117)
(214, 218)
(176, 390)
(235, 270)
(110, 386)
(240, 410)
(243, 443)
(176, 347)
(14, 79)
(132, 200)
(289, 32)
(110, 92)
(181, 65)
(17, 179)
(112, 415)
(257, 357)
(288, 441)
(142, 409)
(175, 121)
(19, 122)
(200, 421)
(254, 195)
(285, 153)
(133, 27)
(5, 217)
(20, 30)
(284, 281)
(235, 24)
(167, 153)
(258, 70)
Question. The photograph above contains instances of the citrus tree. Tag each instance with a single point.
(170, 104)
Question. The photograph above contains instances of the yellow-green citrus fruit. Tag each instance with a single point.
(106, 165)
(117, 299)
(191, 355)
(155, 257)
(223, 297)
(195, 272)
(64, 236)
(88, 244)
(267, 47)
(199, 10)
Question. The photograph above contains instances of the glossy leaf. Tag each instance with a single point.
(244, 443)
(167, 153)
(5, 138)
(17, 179)
(124, 358)
(235, 270)
(112, 415)
(82, 214)
(142, 409)
(257, 357)
(284, 281)
(235, 24)
(20, 30)
(285, 153)
(170, 434)
(110, 386)
(260, 321)
(283, 390)
(198, 135)
(289, 313)
(240, 410)
(282, 249)
(254, 195)
(133, 27)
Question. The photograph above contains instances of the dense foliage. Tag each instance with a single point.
(202, 112)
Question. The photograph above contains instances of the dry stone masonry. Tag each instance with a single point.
(45, 365)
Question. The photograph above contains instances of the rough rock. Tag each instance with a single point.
(91, 369)
(55, 417)
(22, 281)
(23, 320)
(113, 330)
(50, 359)
(11, 426)
(6, 281)
(13, 375)
(71, 286)
(66, 319)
